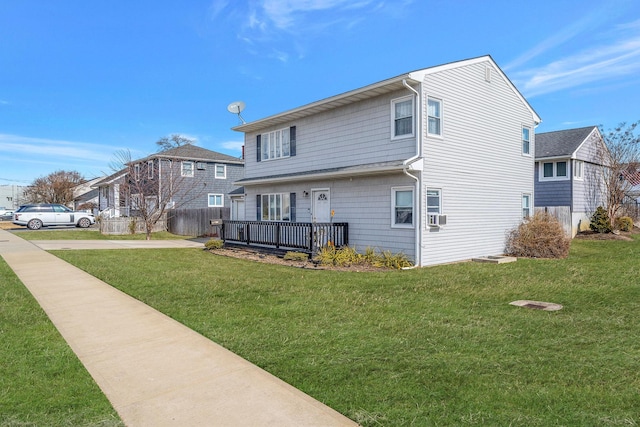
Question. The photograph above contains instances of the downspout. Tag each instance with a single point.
(405, 169)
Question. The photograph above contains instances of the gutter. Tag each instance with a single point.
(405, 168)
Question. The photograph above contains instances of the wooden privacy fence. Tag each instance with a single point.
(562, 214)
(195, 222)
(306, 236)
(125, 225)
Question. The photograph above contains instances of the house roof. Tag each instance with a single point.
(195, 153)
(358, 170)
(370, 91)
(562, 143)
(109, 179)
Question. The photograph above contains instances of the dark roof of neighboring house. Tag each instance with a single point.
(237, 191)
(193, 152)
(561, 142)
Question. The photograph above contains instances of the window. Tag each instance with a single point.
(526, 141)
(136, 171)
(276, 207)
(402, 207)
(276, 144)
(578, 169)
(150, 169)
(526, 206)
(434, 117)
(402, 111)
(187, 169)
(434, 202)
(215, 200)
(221, 171)
(553, 171)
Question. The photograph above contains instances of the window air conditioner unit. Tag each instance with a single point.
(436, 220)
(200, 166)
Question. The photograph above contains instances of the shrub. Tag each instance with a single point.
(600, 221)
(213, 244)
(132, 226)
(296, 256)
(540, 236)
(624, 223)
(347, 256)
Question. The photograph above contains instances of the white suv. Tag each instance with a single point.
(40, 215)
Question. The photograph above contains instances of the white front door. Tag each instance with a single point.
(321, 206)
(237, 209)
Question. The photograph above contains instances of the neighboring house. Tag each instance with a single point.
(435, 163)
(182, 177)
(568, 173)
(85, 196)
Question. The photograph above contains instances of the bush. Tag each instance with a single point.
(624, 223)
(296, 256)
(541, 236)
(213, 244)
(600, 221)
(347, 256)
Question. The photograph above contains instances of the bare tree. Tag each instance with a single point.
(173, 141)
(156, 184)
(621, 159)
(57, 187)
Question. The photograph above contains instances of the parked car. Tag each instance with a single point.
(6, 216)
(38, 215)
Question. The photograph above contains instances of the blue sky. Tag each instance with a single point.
(80, 80)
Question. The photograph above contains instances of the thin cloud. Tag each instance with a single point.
(232, 145)
(619, 57)
(40, 147)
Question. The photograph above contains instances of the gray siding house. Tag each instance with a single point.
(568, 173)
(205, 180)
(435, 163)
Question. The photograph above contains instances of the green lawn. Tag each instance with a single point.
(78, 234)
(42, 383)
(426, 347)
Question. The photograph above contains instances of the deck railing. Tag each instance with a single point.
(305, 236)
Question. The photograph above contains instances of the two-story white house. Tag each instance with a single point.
(435, 163)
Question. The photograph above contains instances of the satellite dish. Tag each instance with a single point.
(236, 108)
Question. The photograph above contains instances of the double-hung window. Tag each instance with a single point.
(221, 171)
(434, 201)
(402, 117)
(526, 206)
(186, 169)
(434, 116)
(276, 144)
(526, 141)
(402, 206)
(215, 200)
(136, 171)
(276, 207)
(150, 169)
(553, 171)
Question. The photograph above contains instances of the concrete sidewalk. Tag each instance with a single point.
(154, 370)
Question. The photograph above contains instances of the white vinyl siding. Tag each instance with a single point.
(402, 207)
(402, 111)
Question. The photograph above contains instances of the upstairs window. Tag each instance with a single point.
(434, 201)
(136, 171)
(402, 115)
(186, 169)
(275, 145)
(402, 207)
(553, 171)
(434, 116)
(526, 141)
(221, 171)
(150, 169)
(578, 169)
